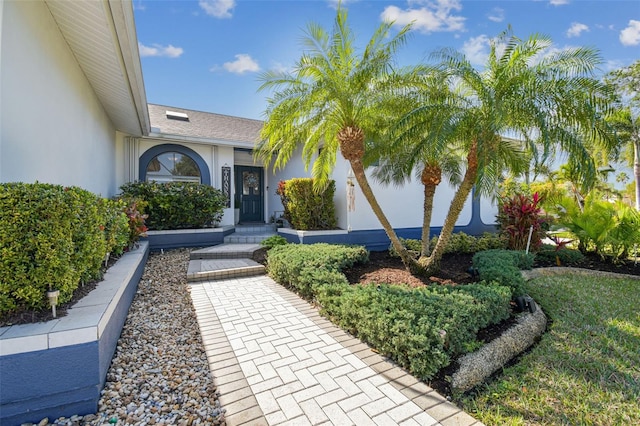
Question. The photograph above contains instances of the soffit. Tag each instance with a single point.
(101, 35)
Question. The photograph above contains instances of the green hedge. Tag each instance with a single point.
(503, 267)
(306, 208)
(53, 237)
(300, 266)
(420, 329)
(178, 205)
(458, 243)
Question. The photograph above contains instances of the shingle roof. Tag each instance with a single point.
(205, 125)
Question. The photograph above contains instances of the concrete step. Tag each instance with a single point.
(217, 269)
(226, 251)
(247, 238)
(258, 228)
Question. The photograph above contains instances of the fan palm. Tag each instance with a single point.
(524, 90)
(334, 100)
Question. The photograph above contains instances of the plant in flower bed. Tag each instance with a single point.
(177, 205)
(422, 329)
(307, 208)
(503, 267)
(519, 217)
(458, 243)
(53, 238)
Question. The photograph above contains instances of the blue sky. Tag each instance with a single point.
(208, 54)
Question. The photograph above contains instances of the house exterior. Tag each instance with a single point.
(73, 111)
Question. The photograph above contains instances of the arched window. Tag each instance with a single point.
(173, 163)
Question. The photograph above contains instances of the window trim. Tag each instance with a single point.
(151, 153)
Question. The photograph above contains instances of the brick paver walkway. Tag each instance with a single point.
(276, 361)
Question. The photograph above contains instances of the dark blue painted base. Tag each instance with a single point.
(62, 381)
(377, 239)
(175, 239)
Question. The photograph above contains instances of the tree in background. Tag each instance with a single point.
(626, 117)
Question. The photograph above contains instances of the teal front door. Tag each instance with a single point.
(249, 193)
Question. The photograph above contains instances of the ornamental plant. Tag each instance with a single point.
(178, 205)
(307, 208)
(517, 215)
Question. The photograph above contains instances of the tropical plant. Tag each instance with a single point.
(521, 221)
(335, 100)
(526, 90)
(608, 228)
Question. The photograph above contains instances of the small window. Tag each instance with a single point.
(177, 115)
(173, 167)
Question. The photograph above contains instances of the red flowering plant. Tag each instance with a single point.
(518, 216)
(135, 214)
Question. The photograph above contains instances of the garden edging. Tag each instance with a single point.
(474, 368)
(58, 368)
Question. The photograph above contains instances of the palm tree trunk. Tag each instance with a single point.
(431, 178)
(429, 194)
(361, 178)
(636, 171)
(430, 265)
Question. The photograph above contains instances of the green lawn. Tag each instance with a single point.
(586, 368)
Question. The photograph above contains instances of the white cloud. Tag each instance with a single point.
(168, 51)
(496, 15)
(243, 63)
(630, 36)
(576, 29)
(431, 17)
(218, 8)
(476, 49)
(558, 2)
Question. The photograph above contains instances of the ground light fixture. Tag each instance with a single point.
(52, 295)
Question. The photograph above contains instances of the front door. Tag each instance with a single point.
(249, 192)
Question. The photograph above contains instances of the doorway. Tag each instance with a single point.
(250, 193)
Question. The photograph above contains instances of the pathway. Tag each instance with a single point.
(276, 361)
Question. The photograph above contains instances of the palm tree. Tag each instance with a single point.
(524, 90)
(336, 99)
(628, 130)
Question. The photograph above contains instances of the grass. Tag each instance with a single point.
(586, 368)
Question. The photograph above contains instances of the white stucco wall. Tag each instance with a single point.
(403, 206)
(53, 128)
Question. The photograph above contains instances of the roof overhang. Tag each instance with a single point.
(102, 37)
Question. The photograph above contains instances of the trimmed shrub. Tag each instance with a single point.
(52, 237)
(503, 267)
(299, 266)
(307, 208)
(273, 241)
(420, 329)
(549, 254)
(458, 243)
(178, 205)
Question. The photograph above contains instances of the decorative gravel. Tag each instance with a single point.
(159, 373)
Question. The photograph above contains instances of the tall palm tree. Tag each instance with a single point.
(524, 90)
(335, 98)
(628, 130)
